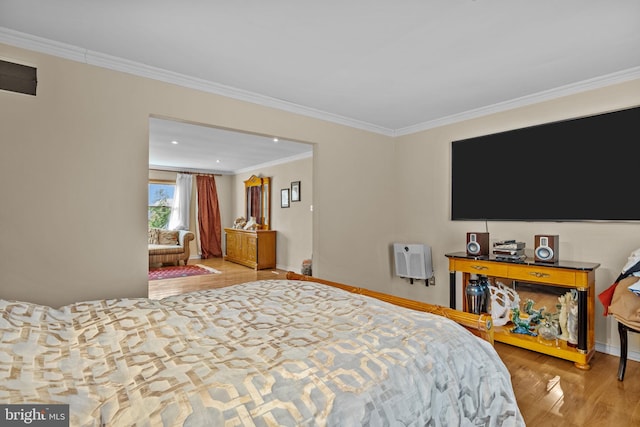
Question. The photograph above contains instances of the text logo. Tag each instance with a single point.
(34, 415)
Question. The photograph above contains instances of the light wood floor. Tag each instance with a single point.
(550, 392)
(232, 274)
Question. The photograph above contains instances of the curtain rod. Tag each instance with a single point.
(186, 171)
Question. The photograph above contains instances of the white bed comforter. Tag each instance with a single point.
(266, 353)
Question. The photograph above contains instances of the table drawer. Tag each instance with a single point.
(485, 268)
(547, 275)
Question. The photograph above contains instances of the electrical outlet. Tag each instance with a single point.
(432, 281)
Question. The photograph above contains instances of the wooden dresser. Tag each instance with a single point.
(253, 248)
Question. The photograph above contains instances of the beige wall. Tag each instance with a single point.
(74, 169)
(423, 173)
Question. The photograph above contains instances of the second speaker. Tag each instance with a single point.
(546, 247)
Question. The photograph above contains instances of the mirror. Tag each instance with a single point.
(258, 201)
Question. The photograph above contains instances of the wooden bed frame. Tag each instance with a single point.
(479, 325)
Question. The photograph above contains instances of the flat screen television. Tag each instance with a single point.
(585, 169)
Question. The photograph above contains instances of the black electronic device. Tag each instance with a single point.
(572, 170)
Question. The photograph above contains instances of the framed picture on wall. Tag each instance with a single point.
(295, 191)
(284, 198)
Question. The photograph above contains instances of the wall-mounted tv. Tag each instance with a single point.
(585, 169)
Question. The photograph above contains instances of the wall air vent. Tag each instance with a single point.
(18, 78)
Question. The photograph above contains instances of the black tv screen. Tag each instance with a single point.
(585, 169)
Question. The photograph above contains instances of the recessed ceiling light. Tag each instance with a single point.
(275, 139)
(217, 161)
(174, 142)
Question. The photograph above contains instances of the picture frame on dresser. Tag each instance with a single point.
(284, 198)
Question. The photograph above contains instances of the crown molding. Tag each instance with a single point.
(232, 172)
(161, 168)
(559, 92)
(75, 53)
(42, 45)
(86, 56)
(276, 162)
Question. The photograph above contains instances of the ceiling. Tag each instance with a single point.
(187, 147)
(392, 67)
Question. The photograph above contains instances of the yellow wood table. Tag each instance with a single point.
(562, 274)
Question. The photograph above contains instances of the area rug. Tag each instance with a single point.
(180, 271)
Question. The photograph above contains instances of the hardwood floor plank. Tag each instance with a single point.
(231, 274)
(554, 392)
(550, 391)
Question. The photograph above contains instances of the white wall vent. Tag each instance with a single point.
(413, 261)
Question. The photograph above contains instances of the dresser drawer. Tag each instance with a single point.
(536, 274)
(486, 268)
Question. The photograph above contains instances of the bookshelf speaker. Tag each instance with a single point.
(478, 244)
(546, 248)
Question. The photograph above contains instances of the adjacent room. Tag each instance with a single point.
(242, 167)
(340, 213)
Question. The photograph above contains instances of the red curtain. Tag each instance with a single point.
(209, 217)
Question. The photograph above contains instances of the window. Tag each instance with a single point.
(160, 201)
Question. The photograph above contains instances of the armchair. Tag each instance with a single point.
(167, 246)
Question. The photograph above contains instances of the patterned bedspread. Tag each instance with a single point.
(266, 353)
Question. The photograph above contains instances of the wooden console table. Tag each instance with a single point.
(563, 274)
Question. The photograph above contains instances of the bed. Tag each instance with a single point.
(267, 353)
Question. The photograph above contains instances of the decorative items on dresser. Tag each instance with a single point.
(548, 285)
(252, 248)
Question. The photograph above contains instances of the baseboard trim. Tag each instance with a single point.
(287, 268)
(615, 351)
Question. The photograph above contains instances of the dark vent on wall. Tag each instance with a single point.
(18, 78)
